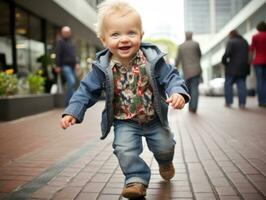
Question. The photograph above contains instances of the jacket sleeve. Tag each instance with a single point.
(227, 54)
(86, 96)
(169, 78)
(199, 51)
(178, 57)
(253, 44)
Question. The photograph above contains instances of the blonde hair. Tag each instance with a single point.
(110, 6)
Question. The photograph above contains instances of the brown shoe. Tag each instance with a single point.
(134, 190)
(167, 171)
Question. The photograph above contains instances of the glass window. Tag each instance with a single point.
(22, 42)
(35, 28)
(5, 37)
(51, 36)
(29, 44)
(258, 16)
(197, 16)
(36, 43)
(49, 59)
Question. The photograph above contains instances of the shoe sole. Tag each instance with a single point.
(132, 195)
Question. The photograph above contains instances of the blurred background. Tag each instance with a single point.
(29, 29)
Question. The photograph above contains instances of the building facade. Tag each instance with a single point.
(210, 16)
(29, 29)
(226, 15)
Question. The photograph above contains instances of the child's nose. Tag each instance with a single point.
(124, 39)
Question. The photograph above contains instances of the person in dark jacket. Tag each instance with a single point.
(66, 61)
(237, 67)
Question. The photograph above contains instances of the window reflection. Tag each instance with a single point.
(5, 37)
(36, 44)
(49, 60)
(22, 42)
(52, 32)
(22, 47)
(29, 43)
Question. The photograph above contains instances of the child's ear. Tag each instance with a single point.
(103, 41)
(141, 35)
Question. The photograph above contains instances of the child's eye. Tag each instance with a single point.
(132, 33)
(115, 35)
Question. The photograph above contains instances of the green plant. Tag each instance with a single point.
(8, 84)
(35, 83)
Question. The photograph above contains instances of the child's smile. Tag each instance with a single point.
(124, 48)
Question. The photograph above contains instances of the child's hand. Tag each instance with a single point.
(67, 121)
(177, 101)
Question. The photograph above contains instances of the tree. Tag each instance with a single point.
(167, 46)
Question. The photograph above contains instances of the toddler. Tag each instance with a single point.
(139, 85)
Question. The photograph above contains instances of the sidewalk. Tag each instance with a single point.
(220, 154)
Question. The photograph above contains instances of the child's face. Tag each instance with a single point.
(122, 35)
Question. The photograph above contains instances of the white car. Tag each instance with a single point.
(214, 87)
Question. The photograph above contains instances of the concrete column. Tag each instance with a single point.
(212, 16)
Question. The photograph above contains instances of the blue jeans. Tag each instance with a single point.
(241, 89)
(69, 75)
(261, 83)
(128, 146)
(193, 88)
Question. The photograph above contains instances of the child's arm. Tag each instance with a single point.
(87, 95)
(67, 121)
(176, 100)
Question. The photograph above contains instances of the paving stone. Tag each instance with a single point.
(225, 191)
(87, 196)
(10, 185)
(108, 197)
(110, 190)
(220, 181)
(67, 193)
(3, 195)
(100, 177)
(204, 196)
(180, 194)
(85, 175)
(229, 198)
(93, 187)
(46, 192)
(78, 181)
(115, 185)
(59, 181)
(201, 188)
(246, 189)
(253, 197)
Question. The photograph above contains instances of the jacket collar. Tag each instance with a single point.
(151, 52)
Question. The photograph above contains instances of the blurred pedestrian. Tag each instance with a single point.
(237, 67)
(189, 54)
(135, 78)
(66, 61)
(258, 49)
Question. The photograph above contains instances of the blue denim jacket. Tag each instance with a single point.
(164, 79)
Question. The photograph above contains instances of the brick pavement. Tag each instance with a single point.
(220, 154)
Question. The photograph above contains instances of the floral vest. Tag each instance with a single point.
(133, 95)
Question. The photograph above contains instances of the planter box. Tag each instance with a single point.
(14, 107)
(59, 100)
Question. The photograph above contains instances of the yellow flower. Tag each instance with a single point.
(39, 72)
(9, 71)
